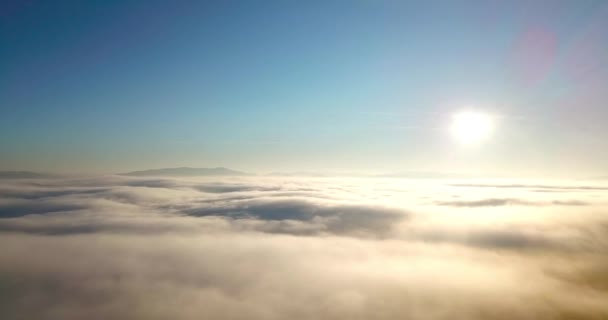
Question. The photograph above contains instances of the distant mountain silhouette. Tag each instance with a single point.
(23, 175)
(187, 172)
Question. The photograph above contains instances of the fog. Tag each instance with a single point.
(117, 247)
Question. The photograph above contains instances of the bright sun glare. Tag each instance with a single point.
(471, 127)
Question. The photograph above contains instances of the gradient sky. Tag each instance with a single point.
(107, 86)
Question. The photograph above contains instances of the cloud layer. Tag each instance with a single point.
(301, 248)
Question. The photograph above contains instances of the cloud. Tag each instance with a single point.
(332, 218)
(483, 203)
(540, 187)
(16, 208)
(569, 203)
(297, 248)
(495, 202)
(224, 188)
(45, 193)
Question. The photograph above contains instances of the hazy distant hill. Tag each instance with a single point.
(23, 175)
(187, 172)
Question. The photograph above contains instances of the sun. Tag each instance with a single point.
(471, 127)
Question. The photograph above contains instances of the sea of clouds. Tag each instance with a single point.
(117, 247)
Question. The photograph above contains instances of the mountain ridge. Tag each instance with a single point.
(187, 171)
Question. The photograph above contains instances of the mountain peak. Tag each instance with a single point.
(187, 171)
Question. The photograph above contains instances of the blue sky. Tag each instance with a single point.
(263, 86)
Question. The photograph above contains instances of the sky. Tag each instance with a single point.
(263, 86)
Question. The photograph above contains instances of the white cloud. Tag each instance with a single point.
(314, 248)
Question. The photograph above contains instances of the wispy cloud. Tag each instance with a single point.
(496, 202)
